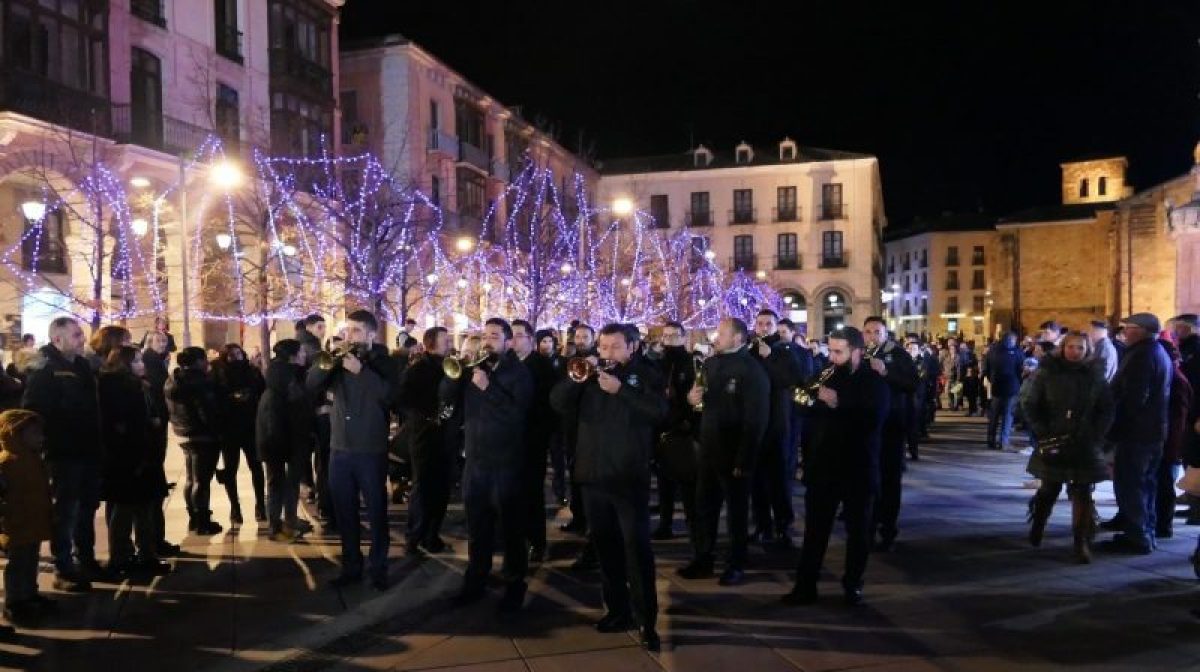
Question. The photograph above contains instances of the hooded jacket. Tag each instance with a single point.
(25, 508)
(193, 406)
(63, 392)
(283, 424)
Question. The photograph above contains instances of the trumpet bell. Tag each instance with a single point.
(452, 367)
(324, 360)
(579, 369)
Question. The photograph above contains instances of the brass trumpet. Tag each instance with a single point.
(580, 370)
(326, 360)
(454, 367)
(872, 352)
(806, 395)
(698, 369)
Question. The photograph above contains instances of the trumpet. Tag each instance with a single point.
(580, 370)
(454, 367)
(872, 352)
(698, 369)
(326, 360)
(806, 395)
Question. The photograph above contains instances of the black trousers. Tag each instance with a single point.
(771, 494)
(714, 488)
(231, 452)
(538, 454)
(668, 491)
(202, 459)
(821, 502)
(432, 478)
(493, 496)
(324, 496)
(891, 463)
(620, 532)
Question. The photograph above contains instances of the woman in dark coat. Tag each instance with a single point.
(154, 356)
(283, 437)
(1180, 409)
(129, 484)
(1067, 404)
(239, 386)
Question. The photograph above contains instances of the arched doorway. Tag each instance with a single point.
(834, 311)
(795, 308)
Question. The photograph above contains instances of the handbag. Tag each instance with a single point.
(1190, 483)
(1055, 450)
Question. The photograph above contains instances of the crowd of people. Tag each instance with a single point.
(735, 424)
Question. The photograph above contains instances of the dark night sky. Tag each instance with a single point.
(968, 104)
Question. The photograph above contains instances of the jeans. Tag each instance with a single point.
(201, 465)
(820, 509)
(75, 488)
(713, 488)
(1000, 417)
(620, 533)
(351, 476)
(231, 453)
(126, 520)
(20, 574)
(1135, 479)
(283, 491)
(492, 497)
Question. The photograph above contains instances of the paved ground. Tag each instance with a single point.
(962, 591)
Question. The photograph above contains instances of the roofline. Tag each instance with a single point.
(763, 166)
(1017, 224)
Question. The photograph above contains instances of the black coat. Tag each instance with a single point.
(1069, 399)
(194, 406)
(131, 472)
(419, 402)
(784, 373)
(736, 400)
(239, 386)
(542, 418)
(901, 378)
(283, 427)
(64, 393)
(494, 419)
(616, 432)
(679, 372)
(847, 439)
(1002, 366)
(1142, 392)
(361, 416)
(156, 378)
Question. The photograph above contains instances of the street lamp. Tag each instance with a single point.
(33, 211)
(224, 240)
(223, 174)
(140, 226)
(226, 175)
(464, 244)
(431, 278)
(565, 268)
(622, 206)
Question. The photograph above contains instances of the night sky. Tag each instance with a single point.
(969, 104)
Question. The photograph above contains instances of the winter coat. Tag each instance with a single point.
(1106, 354)
(736, 398)
(64, 393)
(1072, 399)
(129, 476)
(616, 431)
(25, 506)
(362, 403)
(193, 406)
(847, 440)
(784, 373)
(494, 420)
(283, 425)
(239, 386)
(1002, 368)
(1178, 428)
(1142, 393)
(418, 400)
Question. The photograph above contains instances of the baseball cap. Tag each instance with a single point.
(1147, 321)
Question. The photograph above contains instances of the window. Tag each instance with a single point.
(699, 249)
(64, 46)
(700, 214)
(298, 126)
(787, 153)
(977, 305)
(907, 261)
(468, 123)
(951, 279)
(832, 255)
(977, 281)
(785, 204)
(924, 263)
(977, 257)
(302, 29)
(744, 155)
(660, 210)
(952, 304)
(924, 306)
(831, 201)
(148, 10)
(435, 190)
(145, 78)
(226, 116)
(952, 255)
(743, 253)
(354, 131)
(787, 251)
(471, 194)
(433, 115)
(891, 267)
(229, 38)
(743, 206)
(907, 285)
(1102, 186)
(1083, 188)
(44, 248)
(924, 282)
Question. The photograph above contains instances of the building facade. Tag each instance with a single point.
(809, 221)
(937, 277)
(137, 86)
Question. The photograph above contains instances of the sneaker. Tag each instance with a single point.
(207, 528)
(165, 549)
(302, 526)
(1121, 543)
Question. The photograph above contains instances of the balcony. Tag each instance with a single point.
(743, 216)
(787, 262)
(830, 211)
(454, 223)
(662, 219)
(951, 285)
(229, 43)
(924, 262)
(441, 141)
(952, 260)
(790, 214)
(698, 218)
(743, 262)
(290, 64)
(977, 260)
(49, 101)
(163, 133)
(499, 170)
(834, 261)
(476, 157)
(150, 11)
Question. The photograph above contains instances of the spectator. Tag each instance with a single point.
(26, 514)
(161, 327)
(1178, 428)
(195, 414)
(1002, 367)
(239, 386)
(1105, 351)
(283, 430)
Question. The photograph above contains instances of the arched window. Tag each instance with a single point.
(1083, 188)
(795, 308)
(834, 311)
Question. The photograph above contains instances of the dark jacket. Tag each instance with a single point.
(283, 426)
(1142, 392)
(129, 461)
(193, 406)
(1069, 399)
(783, 371)
(847, 440)
(310, 345)
(1180, 411)
(419, 401)
(678, 372)
(494, 419)
(1002, 366)
(360, 419)
(156, 379)
(239, 385)
(25, 508)
(616, 431)
(901, 378)
(542, 418)
(736, 401)
(64, 393)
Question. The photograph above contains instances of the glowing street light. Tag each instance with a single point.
(224, 240)
(139, 226)
(710, 255)
(464, 244)
(565, 268)
(622, 207)
(462, 283)
(289, 250)
(139, 182)
(34, 211)
(225, 175)
(431, 278)
(761, 275)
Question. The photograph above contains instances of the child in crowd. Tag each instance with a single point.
(25, 514)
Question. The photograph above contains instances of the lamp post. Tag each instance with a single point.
(225, 175)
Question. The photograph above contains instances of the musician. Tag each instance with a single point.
(788, 336)
(617, 413)
(843, 466)
(675, 454)
(584, 345)
(429, 455)
(771, 489)
(496, 398)
(363, 385)
(547, 345)
(541, 424)
(736, 402)
(889, 361)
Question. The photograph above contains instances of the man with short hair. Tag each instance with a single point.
(430, 458)
(311, 334)
(804, 359)
(60, 387)
(892, 363)
(1102, 345)
(583, 343)
(1050, 331)
(1002, 367)
(496, 398)
(363, 384)
(675, 456)
(736, 399)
